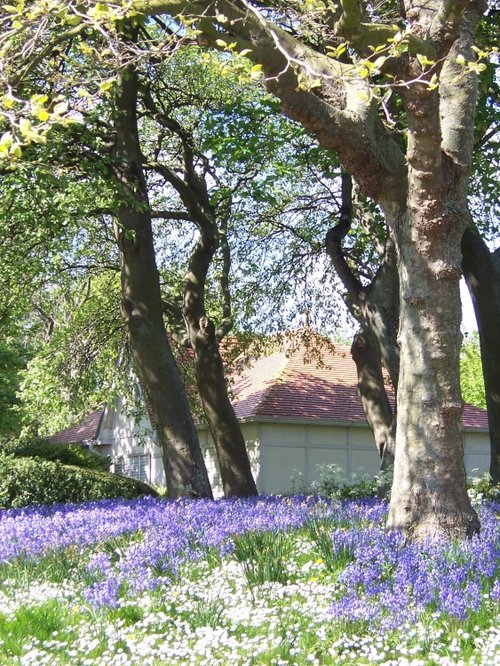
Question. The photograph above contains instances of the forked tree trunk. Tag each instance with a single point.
(142, 310)
(230, 447)
(482, 274)
(234, 464)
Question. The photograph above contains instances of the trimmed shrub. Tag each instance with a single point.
(334, 484)
(482, 488)
(67, 454)
(25, 481)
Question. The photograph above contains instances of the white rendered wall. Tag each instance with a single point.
(283, 456)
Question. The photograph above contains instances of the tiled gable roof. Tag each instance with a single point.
(292, 386)
(82, 432)
(474, 417)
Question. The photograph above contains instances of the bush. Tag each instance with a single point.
(482, 488)
(67, 454)
(333, 484)
(25, 481)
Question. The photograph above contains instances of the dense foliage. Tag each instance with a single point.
(67, 454)
(12, 360)
(471, 372)
(27, 481)
(274, 580)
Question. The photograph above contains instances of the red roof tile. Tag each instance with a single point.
(80, 433)
(292, 386)
(297, 383)
(474, 417)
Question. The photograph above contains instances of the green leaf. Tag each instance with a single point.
(6, 140)
(39, 99)
(424, 60)
(25, 126)
(60, 108)
(7, 101)
(363, 95)
(74, 20)
(41, 113)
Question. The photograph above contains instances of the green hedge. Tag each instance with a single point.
(67, 454)
(25, 481)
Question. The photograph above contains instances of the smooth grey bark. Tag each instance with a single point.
(482, 275)
(185, 469)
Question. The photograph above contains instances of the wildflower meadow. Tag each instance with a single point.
(273, 580)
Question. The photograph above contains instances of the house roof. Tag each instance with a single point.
(474, 417)
(302, 384)
(294, 383)
(85, 431)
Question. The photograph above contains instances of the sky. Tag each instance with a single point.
(468, 317)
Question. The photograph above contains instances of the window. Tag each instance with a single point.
(136, 467)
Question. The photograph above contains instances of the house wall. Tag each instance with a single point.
(130, 445)
(477, 452)
(284, 456)
(292, 454)
(250, 433)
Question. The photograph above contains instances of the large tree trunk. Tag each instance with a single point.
(232, 455)
(429, 495)
(142, 310)
(482, 274)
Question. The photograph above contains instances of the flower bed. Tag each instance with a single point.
(272, 580)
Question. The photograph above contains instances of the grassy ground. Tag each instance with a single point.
(271, 581)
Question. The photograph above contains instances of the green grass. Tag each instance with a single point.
(264, 556)
(34, 624)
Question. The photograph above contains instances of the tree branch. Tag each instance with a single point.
(447, 20)
(364, 35)
(171, 215)
(333, 244)
(316, 90)
(227, 320)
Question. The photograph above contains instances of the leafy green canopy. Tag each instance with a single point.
(471, 372)
(77, 369)
(12, 361)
